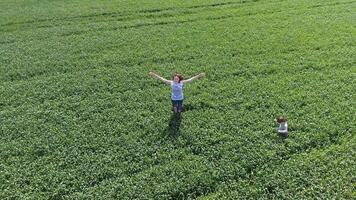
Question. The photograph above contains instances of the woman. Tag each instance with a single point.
(176, 83)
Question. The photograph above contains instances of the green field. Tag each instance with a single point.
(81, 119)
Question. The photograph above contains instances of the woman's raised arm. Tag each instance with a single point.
(194, 78)
(159, 78)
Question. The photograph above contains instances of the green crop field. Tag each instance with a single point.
(81, 119)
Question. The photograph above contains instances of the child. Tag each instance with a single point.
(283, 126)
(176, 88)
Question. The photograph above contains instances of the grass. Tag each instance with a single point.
(80, 118)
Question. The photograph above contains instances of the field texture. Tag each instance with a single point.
(81, 119)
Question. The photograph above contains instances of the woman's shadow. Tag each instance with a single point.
(173, 128)
(175, 121)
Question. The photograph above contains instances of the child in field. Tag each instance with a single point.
(283, 126)
(176, 88)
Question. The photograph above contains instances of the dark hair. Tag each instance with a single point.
(281, 119)
(179, 76)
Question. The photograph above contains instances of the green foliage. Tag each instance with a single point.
(81, 119)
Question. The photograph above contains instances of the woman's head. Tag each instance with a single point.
(177, 78)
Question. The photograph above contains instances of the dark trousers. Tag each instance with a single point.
(178, 104)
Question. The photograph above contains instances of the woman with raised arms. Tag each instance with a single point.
(176, 84)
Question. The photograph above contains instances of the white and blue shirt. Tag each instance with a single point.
(177, 91)
(283, 127)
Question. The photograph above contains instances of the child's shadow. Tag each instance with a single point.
(173, 128)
